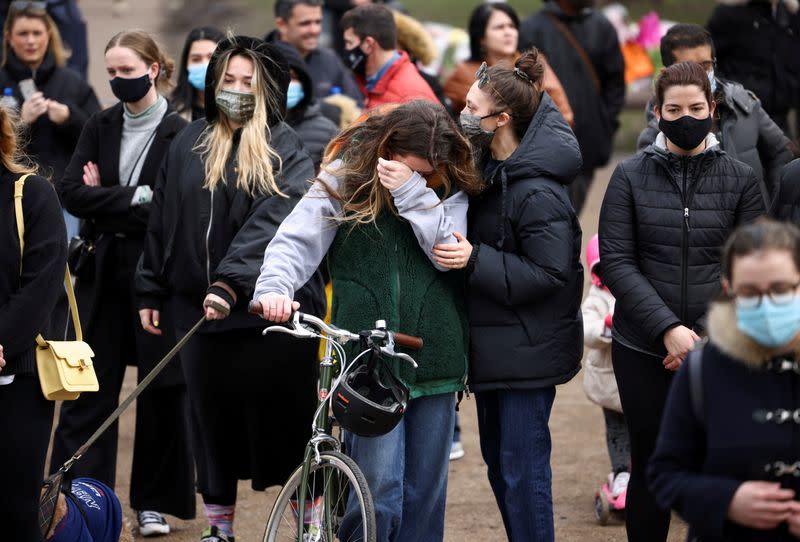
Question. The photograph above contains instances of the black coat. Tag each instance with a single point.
(526, 284)
(595, 113)
(27, 302)
(760, 51)
(787, 203)
(197, 237)
(107, 208)
(704, 454)
(662, 223)
(745, 132)
(51, 145)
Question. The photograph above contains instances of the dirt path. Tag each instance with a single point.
(579, 457)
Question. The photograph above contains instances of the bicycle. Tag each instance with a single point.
(311, 505)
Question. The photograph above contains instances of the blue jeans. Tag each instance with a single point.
(406, 470)
(515, 443)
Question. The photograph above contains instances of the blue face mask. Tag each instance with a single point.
(713, 80)
(197, 75)
(770, 324)
(295, 94)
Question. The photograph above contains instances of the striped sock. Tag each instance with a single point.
(221, 517)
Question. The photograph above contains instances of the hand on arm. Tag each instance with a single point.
(91, 174)
(453, 256)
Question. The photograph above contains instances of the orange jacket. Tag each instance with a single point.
(401, 83)
(460, 80)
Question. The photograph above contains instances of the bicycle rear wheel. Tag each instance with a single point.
(331, 484)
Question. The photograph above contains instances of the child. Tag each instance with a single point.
(90, 513)
(598, 376)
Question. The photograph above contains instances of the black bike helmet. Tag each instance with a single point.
(370, 402)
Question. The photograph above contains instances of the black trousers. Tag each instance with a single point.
(643, 386)
(26, 418)
(162, 475)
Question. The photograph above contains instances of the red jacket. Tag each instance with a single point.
(401, 83)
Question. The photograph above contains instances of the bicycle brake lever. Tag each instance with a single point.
(298, 331)
(389, 351)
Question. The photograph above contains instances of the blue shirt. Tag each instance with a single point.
(373, 80)
(99, 518)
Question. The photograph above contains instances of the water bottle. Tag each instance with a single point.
(8, 100)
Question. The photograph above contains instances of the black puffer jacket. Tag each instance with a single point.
(51, 145)
(526, 284)
(595, 112)
(662, 223)
(787, 203)
(196, 237)
(306, 118)
(744, 131)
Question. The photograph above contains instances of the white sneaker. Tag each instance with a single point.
(620, 484)
(151, 523)
(456, 451)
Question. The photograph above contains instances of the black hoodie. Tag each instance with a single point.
(196, 238)
(526, 284)
(306, 118)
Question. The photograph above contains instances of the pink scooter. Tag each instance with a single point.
(605, 504)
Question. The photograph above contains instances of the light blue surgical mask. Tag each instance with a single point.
(770, 324)
(197, 75)
(713, 80)
(295, 94)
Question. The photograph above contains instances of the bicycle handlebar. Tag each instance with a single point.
(401, 339)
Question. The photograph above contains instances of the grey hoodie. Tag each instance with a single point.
(307, 233)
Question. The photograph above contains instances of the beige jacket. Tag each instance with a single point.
(599, 382)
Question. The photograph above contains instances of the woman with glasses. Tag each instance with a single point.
(54, 101)
(728, 456)
(666, 213)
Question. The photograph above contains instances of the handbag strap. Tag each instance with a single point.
(562, 28)
(73, 305)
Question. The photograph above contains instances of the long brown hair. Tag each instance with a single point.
(420, 128)
(146, 48)
(55, 45)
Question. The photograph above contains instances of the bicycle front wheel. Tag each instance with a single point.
(331, 486)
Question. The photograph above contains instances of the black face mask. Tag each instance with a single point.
(686, 132)
(131, 90)
(356, 60)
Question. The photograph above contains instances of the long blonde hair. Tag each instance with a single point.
(256, 173)
(420, 128)
(55, 45)
(11, 155)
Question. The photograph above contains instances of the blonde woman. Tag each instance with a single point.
(108, 184)
(227, 184)
(28, 293)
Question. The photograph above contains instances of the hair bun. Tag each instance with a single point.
(531, 65)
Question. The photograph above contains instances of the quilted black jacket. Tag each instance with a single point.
(662, 223)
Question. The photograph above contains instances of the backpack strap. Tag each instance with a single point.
(19, 185)
(695, 362)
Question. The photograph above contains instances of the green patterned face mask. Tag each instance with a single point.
(237, 106)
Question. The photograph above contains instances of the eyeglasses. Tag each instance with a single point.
(709, 65)
(22, 5)
(781, 293)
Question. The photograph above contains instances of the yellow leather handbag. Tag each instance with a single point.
(65, 367)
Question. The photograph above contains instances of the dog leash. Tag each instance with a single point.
(134, 394)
